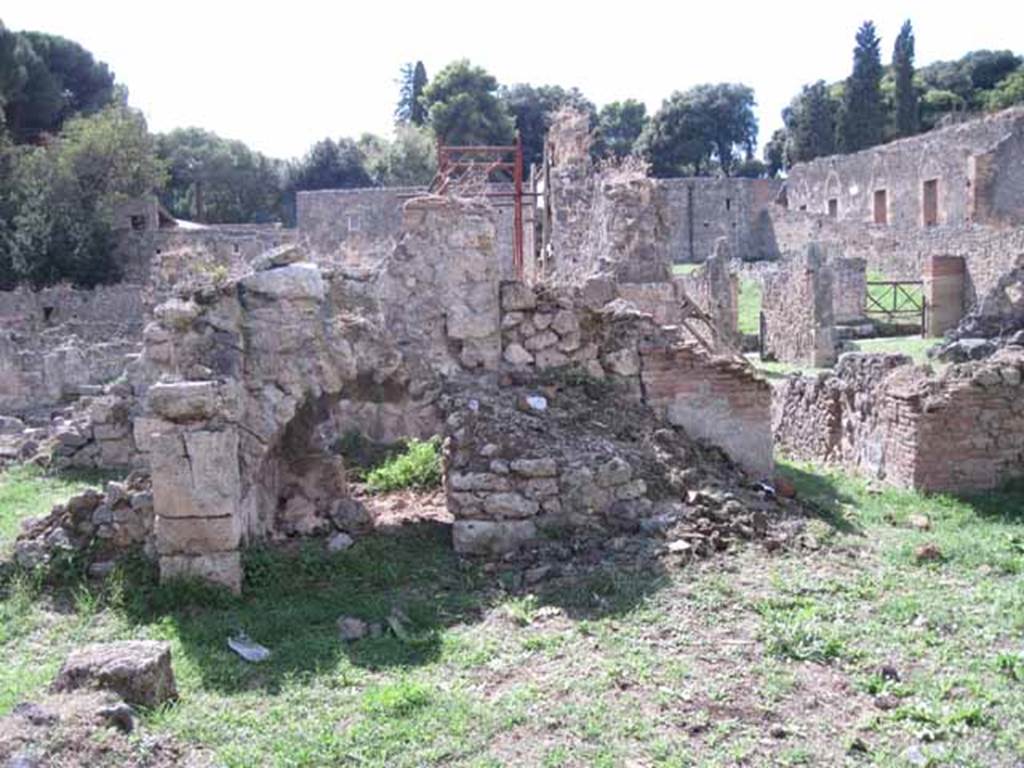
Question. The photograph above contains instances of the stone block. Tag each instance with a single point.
(139, 671)
(184, 400)
(486, 537)
(197, 535)
(509, 505)
(222, 568)
(546, 467)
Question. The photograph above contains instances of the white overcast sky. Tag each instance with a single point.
(282, 75)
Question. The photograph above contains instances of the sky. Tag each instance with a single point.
(280, 76)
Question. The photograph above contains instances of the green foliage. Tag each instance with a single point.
(619, 126)
(410, 109)
(907, 116)
(463, 106)
(811, 124)
(61, 198)
(419, 467)
(408, 160)
(701, 130)
(218, 180)
(775, 153)
(532, 108)
(861, 120)
(749, 310)
(1008, 93)
(45, 80)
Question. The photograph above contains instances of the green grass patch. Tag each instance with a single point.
(685, 269)
(915, 346)
(28, 491)
(417, 467)
(749, 319)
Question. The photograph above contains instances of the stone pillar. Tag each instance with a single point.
(193, 455)
(943, 294)
(849, 289)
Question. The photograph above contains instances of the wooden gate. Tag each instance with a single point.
(898, 302)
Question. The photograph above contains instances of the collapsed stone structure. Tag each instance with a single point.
(397, 314)
(247, 375)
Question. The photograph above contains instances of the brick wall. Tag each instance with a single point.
(961, 430)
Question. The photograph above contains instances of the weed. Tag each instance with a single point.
(419, 467)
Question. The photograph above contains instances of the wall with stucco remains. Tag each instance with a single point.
(901, 169)
(960, 430)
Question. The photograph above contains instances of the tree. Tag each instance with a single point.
(213, 179)
(410, 107)
(862, 118)
(532, 108)
(811, 120)
(1009, 92)
(64, 194)
(706, 125)
(331, 164)
(409, 160)
(58, 79)
(619, 126)
(463, 107)
(907, 107)
(775, 153)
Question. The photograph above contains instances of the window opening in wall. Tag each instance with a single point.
(881, 207)
(47, 314)
(138, 221)
(728, 203)
(803, 207)
(353, 224)
(236, 247)
(930, 202)
(833, 208)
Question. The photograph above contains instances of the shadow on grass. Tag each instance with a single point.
(292, 601)
(820, 493)
(1005, 505)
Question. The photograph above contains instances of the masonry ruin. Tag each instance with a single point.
(589, 389)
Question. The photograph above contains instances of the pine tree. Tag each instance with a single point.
(410, 107)
(907, 122)
(862, 119)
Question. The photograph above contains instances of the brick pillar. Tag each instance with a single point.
(943, 294)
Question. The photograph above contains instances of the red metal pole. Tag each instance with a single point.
(517, 178)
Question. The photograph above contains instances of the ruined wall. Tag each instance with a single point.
(362, 226)
(61, 342)
(960, 430)
(351, 226)
(596, 330)
(849, 289)
(699, 211)
(714, 288)
(798, 321)
(898, 172)
(897, 253)
(165, 257)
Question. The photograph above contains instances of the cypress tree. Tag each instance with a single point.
(903, 71)
(862, 119)
(814, 132)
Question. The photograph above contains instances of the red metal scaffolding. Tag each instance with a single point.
(470, 171)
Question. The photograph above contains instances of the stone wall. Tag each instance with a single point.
(885, 185)
(849, 289)
(960, 430)
(796, 310)
(61, 342)
(901, 253)
(351, 226)
(595, 330)
(165, 257)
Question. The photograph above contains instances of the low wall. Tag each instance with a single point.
(961, 430)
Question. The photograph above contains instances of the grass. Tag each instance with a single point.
(685, 269)
(915, 346)
(749, 311)
(745, 659)
(28, 491)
